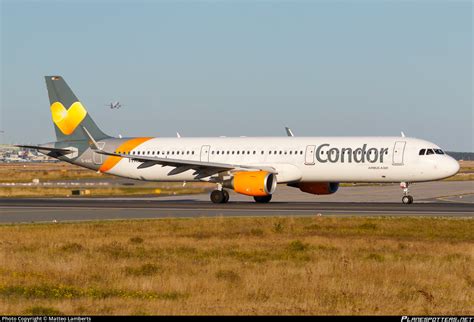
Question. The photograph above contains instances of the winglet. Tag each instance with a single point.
(403, 134)
(92, 143)
(289, 132)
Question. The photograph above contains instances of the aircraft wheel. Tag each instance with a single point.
(264, 199)
(407, 200)
(226, 196)
(217, 196)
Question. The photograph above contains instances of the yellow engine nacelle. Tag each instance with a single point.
(253, 183)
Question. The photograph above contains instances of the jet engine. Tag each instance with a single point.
(317, 188)
(252, 183)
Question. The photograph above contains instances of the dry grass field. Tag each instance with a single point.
(272, 265)
(46, 171)
(163, 189)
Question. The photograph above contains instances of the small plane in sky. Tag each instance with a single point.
(114, 105)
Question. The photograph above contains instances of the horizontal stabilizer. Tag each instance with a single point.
(35, 147)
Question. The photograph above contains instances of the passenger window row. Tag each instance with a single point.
(156, 152)
(430, 151)
(255, 152)
(152, 153)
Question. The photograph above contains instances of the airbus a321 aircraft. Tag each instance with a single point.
(249, 166)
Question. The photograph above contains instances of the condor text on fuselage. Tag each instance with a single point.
(326, 153)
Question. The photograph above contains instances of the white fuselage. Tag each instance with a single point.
(296, 159)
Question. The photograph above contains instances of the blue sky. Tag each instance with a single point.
(243, 68)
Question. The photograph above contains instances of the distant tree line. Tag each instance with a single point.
(462, 155)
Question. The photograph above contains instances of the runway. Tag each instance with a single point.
(49, 210)
(454, 199)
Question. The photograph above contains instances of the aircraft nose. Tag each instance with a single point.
(452, 166)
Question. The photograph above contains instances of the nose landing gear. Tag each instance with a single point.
(406, 199)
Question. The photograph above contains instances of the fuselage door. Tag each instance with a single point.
(205, 153)
(398, 151)
(309, 156)
(97, 158)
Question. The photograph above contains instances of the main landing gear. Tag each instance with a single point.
(220, 196)
(406, 199)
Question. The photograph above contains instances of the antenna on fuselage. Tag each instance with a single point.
(289, 132)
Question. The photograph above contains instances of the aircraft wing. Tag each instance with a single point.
(203, 169)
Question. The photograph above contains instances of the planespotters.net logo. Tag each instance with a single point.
(437, 319)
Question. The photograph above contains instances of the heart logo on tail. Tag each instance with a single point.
(68, 120)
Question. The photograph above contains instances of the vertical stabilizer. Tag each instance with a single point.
(68, 113)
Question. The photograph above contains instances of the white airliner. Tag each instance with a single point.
(251, 166)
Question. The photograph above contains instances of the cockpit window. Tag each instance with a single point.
(429, 151)
(439, 151)
(422, 151)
